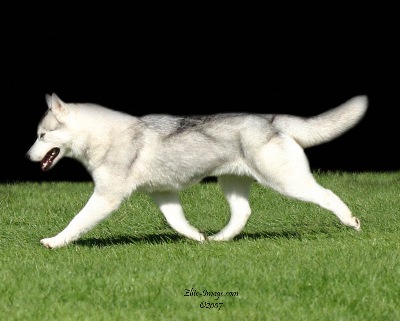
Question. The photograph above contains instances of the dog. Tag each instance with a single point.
(162, 154)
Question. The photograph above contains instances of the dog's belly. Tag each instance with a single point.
(177, 179)
(238, 168)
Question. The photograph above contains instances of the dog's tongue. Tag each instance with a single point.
(48, 159)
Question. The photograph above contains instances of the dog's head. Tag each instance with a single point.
(53, 138)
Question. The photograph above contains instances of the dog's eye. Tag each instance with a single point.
(41, 135)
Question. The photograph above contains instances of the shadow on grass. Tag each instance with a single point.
(269, 235)
(174, 238)
(128, 239)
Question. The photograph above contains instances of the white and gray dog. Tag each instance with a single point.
(161, 154)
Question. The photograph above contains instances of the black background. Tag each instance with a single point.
(202, 64)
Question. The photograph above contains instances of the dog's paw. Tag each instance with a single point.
(219, 237)
(51, 243)
(200, 238)
(357, 225)
(47, 243)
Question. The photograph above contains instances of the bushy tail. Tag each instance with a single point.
(323, 127)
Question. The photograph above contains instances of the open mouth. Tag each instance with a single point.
(47, 161)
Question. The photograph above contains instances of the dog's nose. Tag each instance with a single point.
(27, 156)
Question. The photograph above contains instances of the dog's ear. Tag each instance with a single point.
(48, 100)
(57, 106)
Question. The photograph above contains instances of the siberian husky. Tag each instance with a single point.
(161, 154)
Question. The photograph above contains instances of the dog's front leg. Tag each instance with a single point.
(171, 207)
(97, 209)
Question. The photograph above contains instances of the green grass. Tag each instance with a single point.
(293, 261)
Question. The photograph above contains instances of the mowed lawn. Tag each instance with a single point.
(293, 261)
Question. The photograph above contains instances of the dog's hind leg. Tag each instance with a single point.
(236, 190)
(171, 207)
(282, 165)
